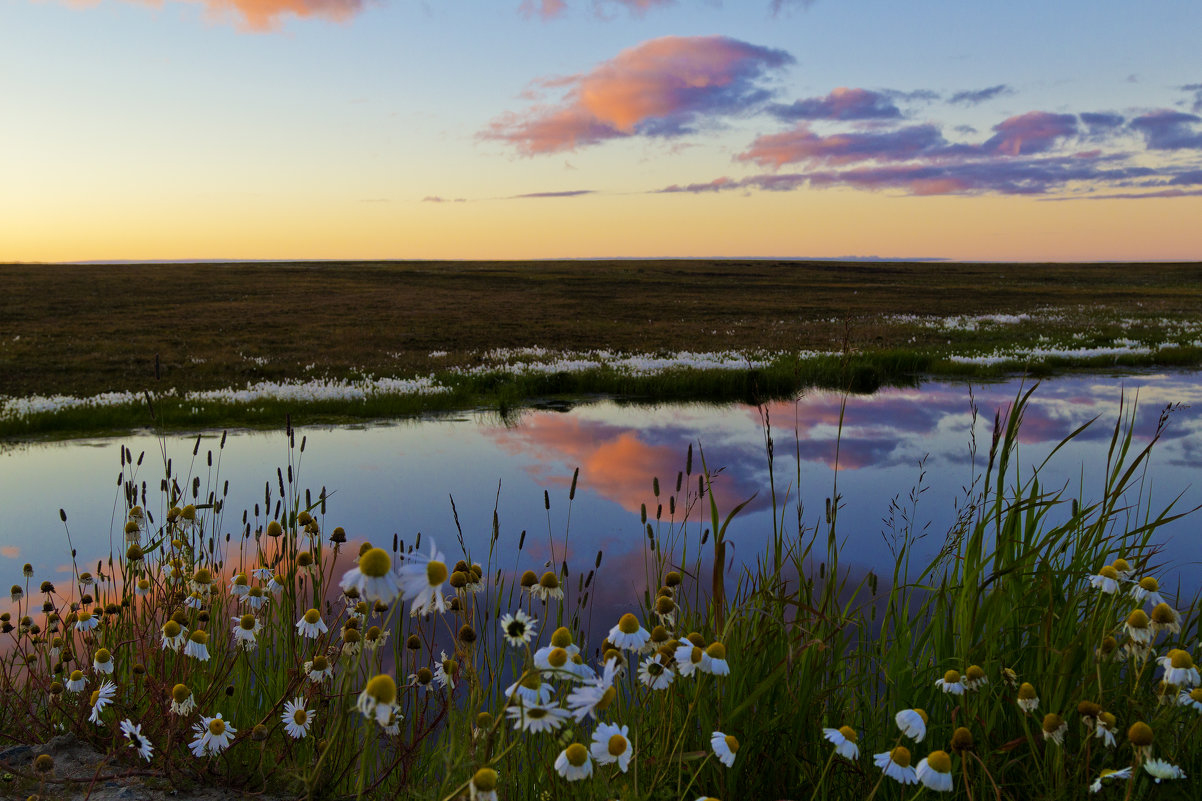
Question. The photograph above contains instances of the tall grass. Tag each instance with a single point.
(1014, 596)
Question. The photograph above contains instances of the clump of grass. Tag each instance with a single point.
(1029, 657)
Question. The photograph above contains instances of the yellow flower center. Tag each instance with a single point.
(696, 655)
(900, 756)
(577, 754)
(1181, 659)
(373, 634)
(256, 592)
(1150, 584)
(83, 616)
(951, 677)
(375, 563)
(319, 663)
(200, 637)
(536, 713)
(849, 733)
(617, 745)
(103, 656)
(274, 529)
(300, 717)
(436, 573)
(974, 673)
(1052, 722)
(549, 582)
(485, 780)
(312, 616)
(1108, 572)
(240, 580)
(561, 638)
(732, 743)
(143, 584)
(203, 576)
(217, 727)
(1137, 619)
(716, 651)
(922, 714)
(607, 698)
(76, 675)
(247, 622)
(424, 676)
(1163, 614)
(95, 697)
(180, 693)
(1026, 692)
(939, 762)
(961, 739)
(1140, 734)
(557, 658)
(628, 624)
(1121, 565)
(382, 688)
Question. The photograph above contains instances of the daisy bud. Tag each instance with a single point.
(483, 721)
(1140, 734)
(338, 534)
(484, 781)
(672, 579)
(413, 642)
(458, 580)
(259, 733)
(962, 739)
(304, 559)
(304, 518)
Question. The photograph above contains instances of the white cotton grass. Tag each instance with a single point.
(845, 740)
(420, 579)
(373, 578)
(311, 625)
(137, 740)
(296, 718)
(611, 744)
(896, 765)
(573, 763)
(725, 746)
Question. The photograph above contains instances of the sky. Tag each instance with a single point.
(530, 129)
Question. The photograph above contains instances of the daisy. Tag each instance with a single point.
(137, 740)
(1109, 775)
(239, 585)
(845, 741)
(951, 683)
(262, 573)
(1140, 735)
(420, 579)
(595, 695)
(554, 663)
(1054, 728)
(896, 765)
(275, 584)
(653, 674)
(1192, 699)
(531, 689)
(1106, 580)
(142, 588)
(255, 598)
(198, 645)
(101, 698)
(374, 638)
(85, 621)
(913, 724)
(1161, 769)
(102, 661)
(1165, 618)
(715, 661)
(975, 678)
(935, 772)
(1027, 699)
(445, 670)
(1104, 729)
(202, 581)
(725, 747)
(378, 699)
(519, 628)
(311, 625)
(318, 670)
(1147, 589)
(484, 785)
(1137, 627)
(213, 735)
(573, 763)
(76, 682)
(194, 601)
(547, 587)
(423, 679)
(393, 727)
(536, 717)
(182, 700)
(296, 718)
(1123, 567)
(610, 744)
(1179, 668)
(246, 631)
(629, 634)
(689, 658)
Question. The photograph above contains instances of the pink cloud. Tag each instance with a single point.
(801, 144)
(662, 87)
(11, 551)
(841, 104)
(1033, 132)
(261, 16)
(546, 9)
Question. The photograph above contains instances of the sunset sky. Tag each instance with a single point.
(327, 129)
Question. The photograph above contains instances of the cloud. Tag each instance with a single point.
(777, 6)
(803, 145)
(564, 193)
(841, 104)
(1196, 89)
(439, 199)
(975, 96)
(1169, 130)
(635, 7)
(663, 87)
(1033, 132)
(716, 185)
(11, 551)
(266, 15)
(545, 9)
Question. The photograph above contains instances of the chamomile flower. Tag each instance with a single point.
(1160, 769)
(182, 700)
(102, 661)
(951, 683)
(85, 620)
(483, 786)
(142, 588)
(536, 717)
(100, 699)
(213, 735)
(137, 740)
(725, 747)
(262, 573)
(531, 689)
(1165, 618)
(547, 588)
(1110, 775)
(1104, 729)
(975, 678)
(595, 695)
(1179, 668)
(715, 662)
(1123, 567)
(519, 628)
(1140, 735)
(935, 772)
(913, 724)
(555, 663)
(845, 740)
(1054, 728)
(239, 585)
(378, 699)
(1147, 589)
(255, 598)
(629, 634)
(296, 718)
(275, 584)
(573, 763)
(1027, 699)
(654, 674)
(445, 670)
(689, 659)
(197, 646)
(76, 682)
(420, 579)
(194, 601)
(1138, 627)
(311, 625)
(1106, 580)
(393, 727)
(246, 630)
(318, 669)
(611, 744)
(896, 765)
(202, 581)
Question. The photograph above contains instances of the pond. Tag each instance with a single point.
(419, 475)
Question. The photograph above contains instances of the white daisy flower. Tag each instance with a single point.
(1160, 769)
(76, 682)
(1138, 627)
(296, 718)
(845, 740)
(1110, 775)
(1054, 728)
(1123, 567)
(213, 735)
(715, 660)
(137, 740)
(689, 659)
(182, 700)
(102, 661)
(654, 674)
(1106, 580)
(174, 636)
(1147, 589)
(239, 585)
(1191, 699)
(420, 579)
(611, 744)
(536, 717)
(246, 631)
(595, 695)
(1027, 699)
(393, 727)
(311, 625)
(935, 772)
(255, 598)
(1165, 618)
(1104, 729)
(913, 723)
(444, 671)
(202, 581)
(896, 765)
(484, 785)
(142, 588)
(555, 663)
(194, 601)
(547, 588)
(725, 747)
(975, 678)
(101, 698)
(85, 620)
(262, 573)
(951, 683)
(629, 634)
(275, 584)
(531, 689)
(197, 646)
(519, 628)
(378, 699)
(1179, 669)
(573, 763)
(318, 670)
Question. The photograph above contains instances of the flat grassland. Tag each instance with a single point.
(86, 329)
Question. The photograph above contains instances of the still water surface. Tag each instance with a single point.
(401, 478)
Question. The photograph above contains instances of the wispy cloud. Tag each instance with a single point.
(974, 96)
(544, 9)
(841, 104)
(1169, 130)
(663, 87)
(1196, 90)
(801, 144)
(564, 193)
(440, 199)
(261, 16)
